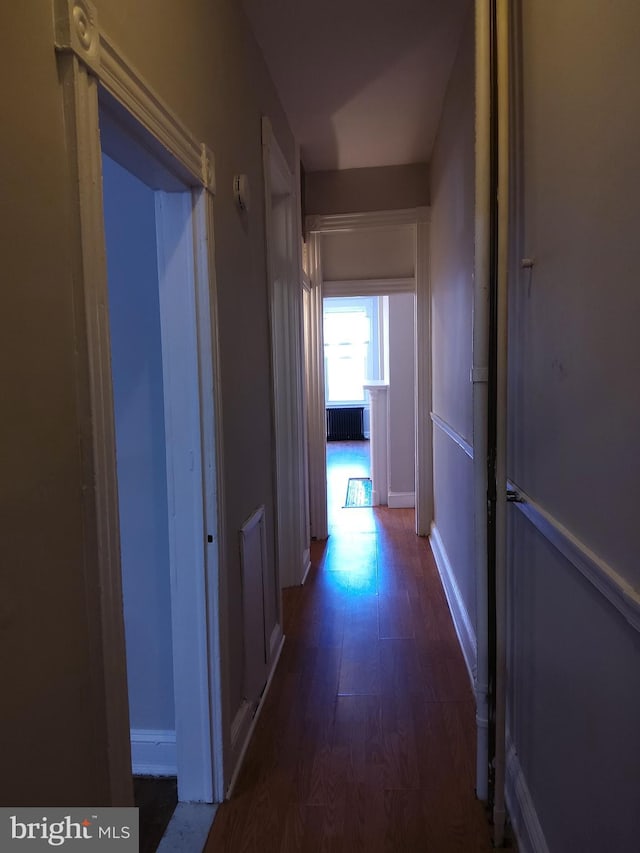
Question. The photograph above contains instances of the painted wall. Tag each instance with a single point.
(52, 739)
(375, 253)
(452, 259)
(200, 57)
(136, 364)
(360, 190)
(575, 419)
(402, 389)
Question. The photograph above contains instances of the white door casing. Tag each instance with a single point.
(316, 418)
(90, 68)
(418, 219)
(190, 463)
(285, 296)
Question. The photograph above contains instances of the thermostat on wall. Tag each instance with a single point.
(241, 191)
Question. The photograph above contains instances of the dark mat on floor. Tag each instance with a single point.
(156, 797)
(359, 492)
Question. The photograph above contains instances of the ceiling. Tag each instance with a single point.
(362, 81)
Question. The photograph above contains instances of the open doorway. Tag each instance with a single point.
(370, 402)
(139, 409)
(353, 355)
(110, 110)
(162, 375)
(375, 254)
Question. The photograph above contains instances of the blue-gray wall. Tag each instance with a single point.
(136, 354)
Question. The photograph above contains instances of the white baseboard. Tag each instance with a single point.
(153, 752)
(401, 499)
(238, 727)
(306, 566)
(240, 722)
(275, 645)
(522, 812)
(461, 620)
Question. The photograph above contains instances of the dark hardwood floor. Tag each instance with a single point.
(366, 741)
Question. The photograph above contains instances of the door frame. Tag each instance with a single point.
(316, 226)
(96, 77)
(287, 359)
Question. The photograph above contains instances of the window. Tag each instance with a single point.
(351, 348)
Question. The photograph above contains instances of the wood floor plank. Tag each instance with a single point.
(406, 828)
(361, 624)
(400, 667)
(395, 616)
(365, 829)
(360, 669)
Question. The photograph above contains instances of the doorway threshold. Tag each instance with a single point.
(188, 828)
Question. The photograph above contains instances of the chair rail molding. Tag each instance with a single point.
(455, 436)
(618, 591)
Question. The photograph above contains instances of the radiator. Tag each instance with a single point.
(345, 424)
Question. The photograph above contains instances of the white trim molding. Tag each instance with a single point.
(522, 812)
(275, 641)
(76, 31)
(96, 81)
(306, 566)
(369, 286)
(618, 591)
(188, 416)
(447, 429)
(316, 416)
(94, 399)
(240, 721)
(284, 270)
(418, 219)
(423, 374)
(244, 725)
(459, 613)
(398, 500)
(379, 449)
(372, 219)
(153, 752)
(254, 603)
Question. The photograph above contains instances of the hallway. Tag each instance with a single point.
(346, 459)
(366, 740)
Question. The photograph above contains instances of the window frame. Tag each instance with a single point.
(375, 356)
